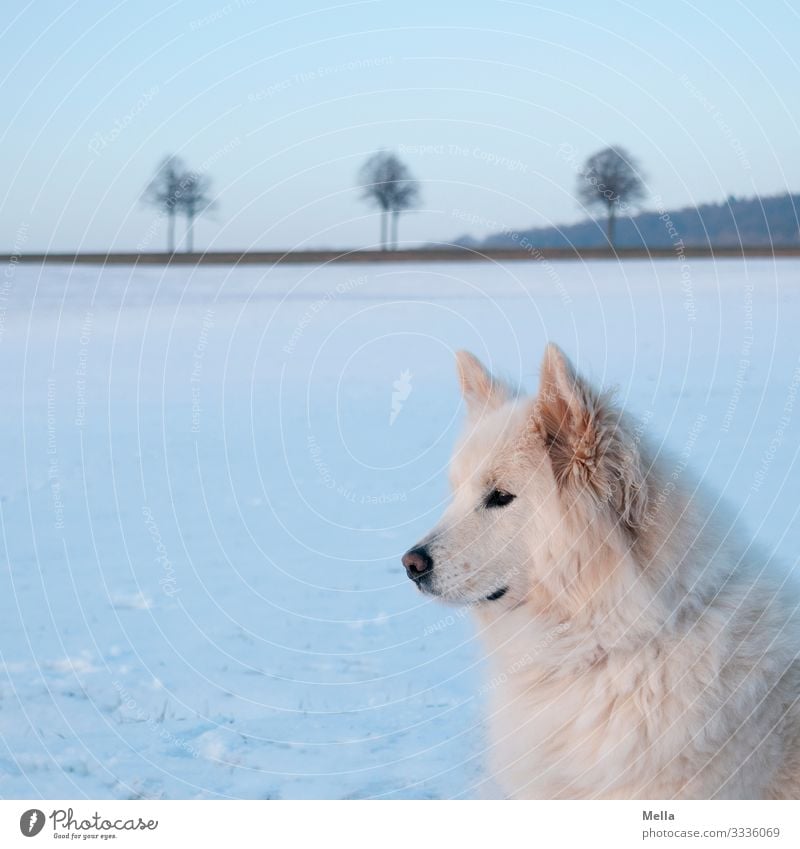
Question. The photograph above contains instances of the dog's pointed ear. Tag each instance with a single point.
(563, 410)
(588, 440)
(561, 392)
(481, 391)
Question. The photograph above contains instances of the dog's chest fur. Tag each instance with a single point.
(570, 718)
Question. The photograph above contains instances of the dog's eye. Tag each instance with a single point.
(499, 498)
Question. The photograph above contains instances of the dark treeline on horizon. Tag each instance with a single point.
(756, 221)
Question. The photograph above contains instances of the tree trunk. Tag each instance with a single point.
(395, 216)
(189, 233)
(384, 228)
(610, 227)
(171, 231)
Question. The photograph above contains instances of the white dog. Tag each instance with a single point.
(639, 649)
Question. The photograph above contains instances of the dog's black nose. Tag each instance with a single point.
(418, 563)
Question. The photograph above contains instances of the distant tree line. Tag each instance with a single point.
(737, 221)
(610, 180)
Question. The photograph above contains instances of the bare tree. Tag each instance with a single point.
(164, 193)
(611, 179)
(386, 182)
(195, 199)
(176, 189)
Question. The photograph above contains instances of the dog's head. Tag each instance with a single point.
(539, 485)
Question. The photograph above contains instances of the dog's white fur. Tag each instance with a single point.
(641, 649)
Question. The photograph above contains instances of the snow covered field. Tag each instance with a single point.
(208, 477)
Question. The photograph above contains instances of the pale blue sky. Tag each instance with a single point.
(282, 104)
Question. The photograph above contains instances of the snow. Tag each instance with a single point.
(208, 476)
